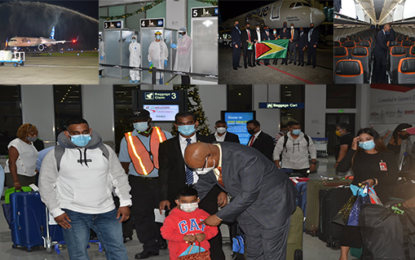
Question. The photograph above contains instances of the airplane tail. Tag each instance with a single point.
(52, 34)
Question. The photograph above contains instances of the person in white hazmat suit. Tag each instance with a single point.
(183, 54)
(157, 55)
(101, 47)
(135, 59)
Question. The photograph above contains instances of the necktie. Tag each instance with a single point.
(252, 140)
(292, 34)
(249, 35)
(189, 172)
(309, 35)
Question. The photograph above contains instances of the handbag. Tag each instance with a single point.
(362, 199)
(343, 216)
(197, 256)
(407, 166)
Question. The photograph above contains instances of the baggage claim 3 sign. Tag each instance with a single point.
(163, 105)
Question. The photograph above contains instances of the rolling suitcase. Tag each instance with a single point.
(295, 236)
(331, 202)
(302, 198)
(312, 210)
(28, 215)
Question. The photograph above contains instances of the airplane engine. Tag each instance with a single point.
(41, 47)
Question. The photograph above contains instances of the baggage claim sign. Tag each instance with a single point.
(163, 105)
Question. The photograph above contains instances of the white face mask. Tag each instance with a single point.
(189, 207)
(204, 170)
(292, 27)
(257, 29)
(221, 130)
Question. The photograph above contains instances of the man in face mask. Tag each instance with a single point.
(222, 135)
(259, 140)
(175, 174)
(140, 159)
(135, 59)
(312, 45)
(250, 179)
(302, 45)
(247, 47)
(183, 54)
(257, 38)
(285, 34)
(344, 144)
(157, 55)
(236, 45)
(76, 184)
(294, 149)
(275, 36)
(293, 44)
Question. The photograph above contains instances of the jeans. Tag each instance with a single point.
(106, 226)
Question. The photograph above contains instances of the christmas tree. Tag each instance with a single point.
(194, 105)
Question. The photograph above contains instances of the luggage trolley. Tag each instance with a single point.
(17, 58)
(321, 146)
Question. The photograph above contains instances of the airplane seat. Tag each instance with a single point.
(411, 39)
(349, 45)
(396, 54)
(411, 52)
(394, 43)
(349, 72)
(356, 40)
(406, 71)
(367, 39)
(340, 53)
(337, 44)
(407, 44)
(362, 54)
(399, 39)
(342, 40)
(368, 45)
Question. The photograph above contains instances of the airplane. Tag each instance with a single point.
(40, 43)
(299, 12)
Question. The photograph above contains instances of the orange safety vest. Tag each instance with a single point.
(139, 155)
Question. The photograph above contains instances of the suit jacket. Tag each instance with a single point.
(302, 41)
(265, 37)
(236, 37)
(274, 37)
(285, 34)
(265, 144)
(296, 35)
(259, 189)
(314, 38)
(245, 38)
(255, 36)
(380, 48)
(392, 36)
(229, 137)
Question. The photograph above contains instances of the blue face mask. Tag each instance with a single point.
(285, 26)
(186, 130)
(141, 126)
(181, 36)
(158, 37)
(387, 32)
(296, 131)
(237, 25)
(369, 145)
(80, 140)
(133, 40)
(267, 30)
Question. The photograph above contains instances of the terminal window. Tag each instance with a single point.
(239, 97)
(10, 116)
(68, 104)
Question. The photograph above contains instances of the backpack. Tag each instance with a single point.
(238, 248)
(60, 150)
(284, 146)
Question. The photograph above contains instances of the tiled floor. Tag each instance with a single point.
(313, 248)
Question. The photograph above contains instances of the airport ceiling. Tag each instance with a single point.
(378, 9)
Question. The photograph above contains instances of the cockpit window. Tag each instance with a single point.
(292, 5)
(298, 4)
(306, 4)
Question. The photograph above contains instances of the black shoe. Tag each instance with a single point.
(286, 63)
(250, 65)
(302, 65)
(282, 63)
(314, 67)
(295, 63)
(290, 62)
(235, 68)
(299, 64)
(145, 255)
(125, 239)
(308, 64)
(258, 64)
(246, 67)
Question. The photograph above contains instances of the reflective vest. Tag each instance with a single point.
(140, 157)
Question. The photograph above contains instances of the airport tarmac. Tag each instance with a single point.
(277, 74)
(52, 69)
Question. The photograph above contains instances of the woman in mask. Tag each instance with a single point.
(22, 158)
(371, 163)
(274, 36)
(400, 142)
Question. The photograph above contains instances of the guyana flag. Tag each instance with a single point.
(271, 49)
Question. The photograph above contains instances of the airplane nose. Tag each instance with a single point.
(318, 17)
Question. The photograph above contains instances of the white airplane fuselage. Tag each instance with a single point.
(23, 42)
(300, 13)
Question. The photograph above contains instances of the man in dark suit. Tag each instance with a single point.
(392, 35)
(266, 36)
(263, 196)
(293, 44)
(236, 45)
(285, 34)
(275, 36)
(222, 135)
(302, 45)
(257, 37)
(380, 52)
(174, 174)
(259, 140)
(246, 36)
(312, 45)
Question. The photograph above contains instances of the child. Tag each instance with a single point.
(181, 228)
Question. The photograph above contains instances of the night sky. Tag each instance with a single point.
(232, 8)
(87, 7)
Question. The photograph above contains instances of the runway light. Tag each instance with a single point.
(73, 41)
(77, 54)
(82, 51)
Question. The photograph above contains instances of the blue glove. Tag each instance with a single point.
(150, 64)
(165, 62)
(102, 57)
(174, 46)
